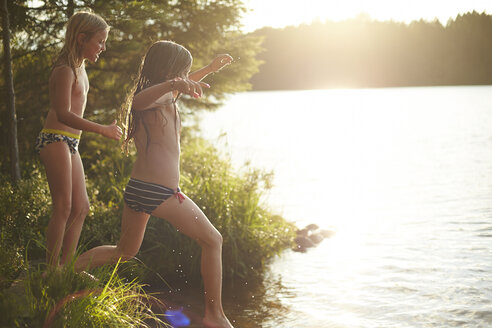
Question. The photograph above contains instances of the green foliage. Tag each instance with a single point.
(24, 212)
(64, 298)
(361, 52)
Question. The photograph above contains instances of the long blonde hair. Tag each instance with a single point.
(165, 60)
(84, 22)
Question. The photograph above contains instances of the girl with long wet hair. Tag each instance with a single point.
(151, 120)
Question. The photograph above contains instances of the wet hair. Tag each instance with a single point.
(84, 22)
(164, 61)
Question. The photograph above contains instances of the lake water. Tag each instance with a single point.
(404, 176)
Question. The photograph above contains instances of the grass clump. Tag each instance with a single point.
(64, 298)
(24, 212)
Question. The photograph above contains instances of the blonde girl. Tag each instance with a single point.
(57, 143)
(153, 123)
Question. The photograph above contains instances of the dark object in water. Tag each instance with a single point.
(310, 236)
(304, 242)
(302, 232)
(299, 248)
(312, 227)
(316, 237)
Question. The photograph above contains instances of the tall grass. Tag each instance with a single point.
(63, 298)
(24, 210)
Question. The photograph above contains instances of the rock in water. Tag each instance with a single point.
(316, 237)
(299, 248)
(312, 227)
(302, 232)
(304, 242)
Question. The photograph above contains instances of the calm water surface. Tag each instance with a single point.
(403, 175)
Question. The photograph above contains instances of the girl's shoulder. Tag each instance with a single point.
(62, 72)
(60, 68)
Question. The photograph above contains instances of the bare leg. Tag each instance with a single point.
(132, 232)
(79, 210)
(58, 165)
(189, 219)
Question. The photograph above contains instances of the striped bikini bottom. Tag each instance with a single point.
(144, 196)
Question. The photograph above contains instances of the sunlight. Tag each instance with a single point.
(384, 169)
(265, 13)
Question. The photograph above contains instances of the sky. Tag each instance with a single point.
(280, 13)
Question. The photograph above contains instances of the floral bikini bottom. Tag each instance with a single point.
(48, 136)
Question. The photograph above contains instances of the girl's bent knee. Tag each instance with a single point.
(213, 240)
(86, 208)
(126, 254)
(126, 257)
(220, 239)
(62, 209)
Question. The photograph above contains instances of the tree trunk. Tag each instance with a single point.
(70, 8)
(9, 85)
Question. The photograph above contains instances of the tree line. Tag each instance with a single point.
(361, 52)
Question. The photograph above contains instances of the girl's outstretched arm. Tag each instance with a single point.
(216, 65)
(63, 79)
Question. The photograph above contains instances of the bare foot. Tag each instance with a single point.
(217, 323)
